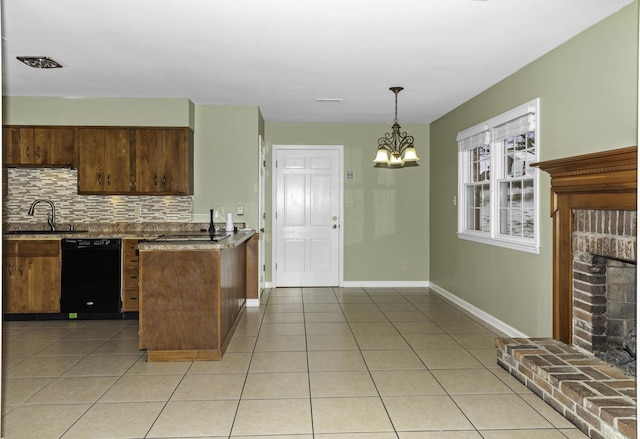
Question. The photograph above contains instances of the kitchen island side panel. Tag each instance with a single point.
(179, 300)
(232, 288)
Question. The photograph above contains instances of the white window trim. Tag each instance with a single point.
(530, 245)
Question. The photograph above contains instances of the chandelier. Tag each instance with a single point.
(395, 149)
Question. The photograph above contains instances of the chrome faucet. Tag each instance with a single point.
(51, 217)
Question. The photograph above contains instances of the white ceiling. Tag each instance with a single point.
(282, 55)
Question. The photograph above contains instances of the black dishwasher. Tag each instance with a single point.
(91, 276)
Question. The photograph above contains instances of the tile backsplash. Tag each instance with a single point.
(60, 185)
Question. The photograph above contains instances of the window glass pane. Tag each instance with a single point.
(478, 209)
(480, 160)
(517, 208)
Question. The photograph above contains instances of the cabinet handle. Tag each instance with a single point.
(109, 179)
(38, 151)
(21, 272)
(27, 151)
(155, 180)
(164, 180)
(9, 270)
(100, 179)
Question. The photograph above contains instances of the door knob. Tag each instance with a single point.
(335, 226)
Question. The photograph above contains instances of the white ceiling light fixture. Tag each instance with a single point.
(40, 62)
(395, 149)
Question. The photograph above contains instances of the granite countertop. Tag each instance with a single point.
(176, 243)
(104, 230)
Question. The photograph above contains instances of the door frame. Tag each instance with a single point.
(274, 204)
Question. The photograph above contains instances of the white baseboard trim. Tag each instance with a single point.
(486, 317)
(252, 303)
(376, 284)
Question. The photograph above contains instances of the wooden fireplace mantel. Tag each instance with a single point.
(603, 180)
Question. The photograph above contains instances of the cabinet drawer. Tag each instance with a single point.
(130, 300)
(130, 278)
(32, 247)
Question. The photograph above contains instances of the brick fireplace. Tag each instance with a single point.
(593, 207)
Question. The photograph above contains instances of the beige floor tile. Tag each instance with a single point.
(470, 381)
(406, 316)
(513, 383)
(449, 359)
(428, 327)
(95, 333)
(272, 436)
(278, 362)
(142, 388)
(487, 357)
(73, 390)
(388, 308)
(406, 382)
(467, 327)
(118, 346)
(431, 341)
(370, 307)
(101, 365)
(321, 328)
(573, 433)
(284, 300)
(350, 415)
(209, 387)
(415, 413)
(41, 421)
(272, 417)
(332, 361)
(349, 299)
(392, 360)
(70, 347)
(122, 420)
(276, 385)
(335, 342)
(232, 362)
(322, 307)
(478, 341)
(242, 343)
(289, 343)
(143, 367)
(341, 384)
(360, 317)
(320, 298)
(283, 317)
(386, 435)
(381, 341)
(523, 434)
(195, 419)
(18, 390)
(381, 328)
(49, 334)
(325, 317)
(43, 366)
(284, 308)
(513, 412)
(282, 329)
(25, 349)
(555, 418)
(439, 435)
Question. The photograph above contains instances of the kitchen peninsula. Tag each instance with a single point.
(193, 290)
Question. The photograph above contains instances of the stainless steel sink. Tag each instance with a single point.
(43, 232)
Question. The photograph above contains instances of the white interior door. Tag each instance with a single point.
(308, 188)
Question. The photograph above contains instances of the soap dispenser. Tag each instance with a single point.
(212, 227)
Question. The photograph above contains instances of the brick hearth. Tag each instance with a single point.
(597, 397)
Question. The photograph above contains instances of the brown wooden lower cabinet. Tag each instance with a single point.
(190, 301)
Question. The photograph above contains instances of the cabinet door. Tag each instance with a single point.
(164, 163)
(17, 145)
(118, 167)
(53, 146)
(104, 160)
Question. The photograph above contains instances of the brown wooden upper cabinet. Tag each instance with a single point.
(164, 161)
(30, 146)
(135, 161)
(104, 161)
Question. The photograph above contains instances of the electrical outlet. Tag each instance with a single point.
(240, 210)
(403, 266)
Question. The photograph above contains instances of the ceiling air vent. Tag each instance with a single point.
(40, 62)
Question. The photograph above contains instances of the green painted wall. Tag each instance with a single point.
(388, 221)
(588, 89)
(97, 111)
(226, 160)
